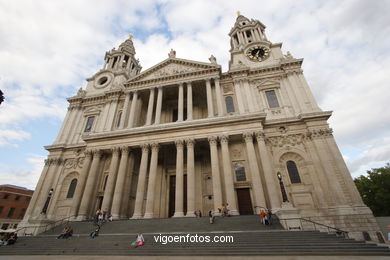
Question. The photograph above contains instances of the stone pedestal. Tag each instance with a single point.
(289, 217)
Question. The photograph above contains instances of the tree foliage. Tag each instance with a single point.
(375, 190)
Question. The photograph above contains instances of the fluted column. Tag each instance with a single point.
(68, 131)
(269, 174)
(132, 109)
(125, 111)
(149, 209)
(180, 103)
(81, 183)
(179, 180)
(255, 174)
(110, 186)
(216, 177)
(127, 185)
(158, 106)
(189, 101)
(89, 186)
(228, 174)
(240, 102)
(139, 197)
(119, 186)
(210, 108)
(190, 178)
(219, 96)
(150, 107)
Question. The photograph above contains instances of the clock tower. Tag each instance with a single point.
(250, 47)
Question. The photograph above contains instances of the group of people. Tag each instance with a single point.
(66, 233)
(224, 210)
(101, 217)
(266, 217)
(9, 238)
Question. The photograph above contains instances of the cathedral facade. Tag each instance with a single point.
(184, 136)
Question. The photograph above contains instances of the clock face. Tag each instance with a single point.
(257, 53)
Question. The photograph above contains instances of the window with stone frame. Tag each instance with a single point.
(11, 212)
(272, 99)
(72, 188)
(293, 172)
(88, 126)
(229, 104)
(239, 170)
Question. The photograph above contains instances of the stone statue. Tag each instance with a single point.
(288, 56)
(212, 59)
(172, 54)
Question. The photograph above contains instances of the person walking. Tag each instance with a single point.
(212, 217)
(262, 217)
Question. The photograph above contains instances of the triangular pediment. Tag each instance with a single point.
(173, 67)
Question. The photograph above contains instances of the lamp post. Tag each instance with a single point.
(282, 189)
(47, 202)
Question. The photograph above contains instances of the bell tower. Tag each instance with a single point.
(249, 45)
(119, 66)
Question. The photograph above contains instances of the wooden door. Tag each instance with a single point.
(244, 201)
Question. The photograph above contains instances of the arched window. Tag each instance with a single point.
(72, 188)
(240, 172)
(229, 104)
(293, 172)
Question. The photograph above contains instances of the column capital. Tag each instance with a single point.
(190, 142)
(189, 83)
(216, 79)
(260, 136)
(47, 161)
(213, 140)
(154, 146)
(248, 136)
(145, 147)
(208, 80)
(125, 149)
(180, 84)
(115, 150)
(224, 139)
(97, 152)
(179, 143)
(88, 153)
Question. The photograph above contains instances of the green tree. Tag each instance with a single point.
(375, 190)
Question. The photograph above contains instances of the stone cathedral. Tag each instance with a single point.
(184, 136)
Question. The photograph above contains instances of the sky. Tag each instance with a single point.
(49, 48)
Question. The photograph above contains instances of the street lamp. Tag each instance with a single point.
(282, 189)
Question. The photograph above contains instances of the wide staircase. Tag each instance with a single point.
(249, 238)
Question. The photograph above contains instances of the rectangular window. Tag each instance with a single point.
(272, 99)
(17, 197)
(11, 212)
(1, 209)
(22, 212)
(6, 196)
(88, 127)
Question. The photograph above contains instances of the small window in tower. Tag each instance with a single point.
(272, 99)
(5, 196)
(125, 60)
(102, 80)
(229, 104)
(88, 127)
(240, 172)
(132, 66)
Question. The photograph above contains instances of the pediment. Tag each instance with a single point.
(173, 67)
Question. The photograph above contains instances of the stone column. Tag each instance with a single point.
(190, 178)
(69, 128)
(228, 174)
(180, 103)
(102, 117)
(216, 177)
(249, 96)
(89, 186)
(219, 96)
(269, 174)
(120, 181)
(132, 110)
(38, 189)
(48, 184)
(64, 125)
(110, 186)
(179, 180)
(150, 107)
(149, 209)
(189, 101)
(125, 111)
(74, 135)
(127, 185)
(81, 183)
(255, 174)
(210, 107)
(139, 198)
(158, 106)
